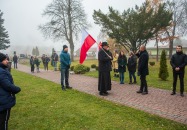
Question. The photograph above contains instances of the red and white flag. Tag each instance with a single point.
(87, 42)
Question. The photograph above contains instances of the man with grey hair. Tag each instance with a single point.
(143, 69)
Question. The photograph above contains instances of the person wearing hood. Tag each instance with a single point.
(7, 92)
(65, 63)
(178, 62)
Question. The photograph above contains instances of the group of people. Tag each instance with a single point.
(178, 62)
(8, 89)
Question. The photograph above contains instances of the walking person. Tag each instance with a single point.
(65, 65)
(143, 69)
(32, 64)
(178, 62)
(122, 62)
(15, 60)
(105, 59)
(7, 92)
(132, 63)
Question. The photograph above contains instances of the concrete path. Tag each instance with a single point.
(158, 101)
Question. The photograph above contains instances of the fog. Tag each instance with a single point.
(22, 18)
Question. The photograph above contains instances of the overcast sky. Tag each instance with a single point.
(22, 18)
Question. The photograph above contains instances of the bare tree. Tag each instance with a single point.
(66, 19)
(179, 24)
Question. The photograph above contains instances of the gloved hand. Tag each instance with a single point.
(68, 66)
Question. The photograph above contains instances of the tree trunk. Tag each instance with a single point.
(72, 51)
(156, 48)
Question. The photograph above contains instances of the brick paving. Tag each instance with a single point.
(158, 101)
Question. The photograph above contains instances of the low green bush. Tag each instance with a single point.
(72, 68)
(93, 66)
(80, 69)
(152, 63)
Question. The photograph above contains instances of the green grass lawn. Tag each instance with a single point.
(42, 105)
(152, 78)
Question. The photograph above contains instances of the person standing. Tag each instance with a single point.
(32, 64)
(15, 60)
(132, 63)
(37, 62)
(55, 60)
(115, 64)
(143, 69)
(46, 62)
(7, 92)
(105, 60)
(178, 62)
(122, 62)
(65, 65)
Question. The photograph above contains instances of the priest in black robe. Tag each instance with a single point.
(105, 66)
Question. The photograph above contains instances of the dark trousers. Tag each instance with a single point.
(181, 78)
(46, 66)
(121, 77)
(4, 117)
(64, 76)
(15, 65)
(132, 74)
(143, 86)
(32, 68)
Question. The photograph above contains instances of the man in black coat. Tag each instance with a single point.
(143, 69)
(178, 62)
(105, 66)
(15, 60)
(7, 92)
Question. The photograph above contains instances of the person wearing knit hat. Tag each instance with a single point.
(2, 57)
(65, 63)
(65, 46)
(7, 92)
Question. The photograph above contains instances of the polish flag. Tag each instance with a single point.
(87, 42)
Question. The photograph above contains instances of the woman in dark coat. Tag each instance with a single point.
(105, 66)
(122, 62)
(32, 64)
(7, 92)
(132, 63)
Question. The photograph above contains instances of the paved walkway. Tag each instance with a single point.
(158, 101)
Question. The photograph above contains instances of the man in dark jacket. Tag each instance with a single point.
(178, 62)
(15, 60)
(55, 60)
(7, 92)
(143, 70)
(65, 63)
(105, 58)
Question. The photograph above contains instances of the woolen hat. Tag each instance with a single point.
(104, 44)
(2, 57)
(65, 46)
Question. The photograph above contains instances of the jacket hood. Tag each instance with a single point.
(3, 66)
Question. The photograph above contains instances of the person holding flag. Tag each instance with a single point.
(105, 66)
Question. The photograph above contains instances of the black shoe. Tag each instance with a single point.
(68, 87)
(144, 93)
(130, 82)
(139, 91)
(182, 95)
(102, 94)
(173, 93)
(105, 93)
(134, 82)
(63, 88)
